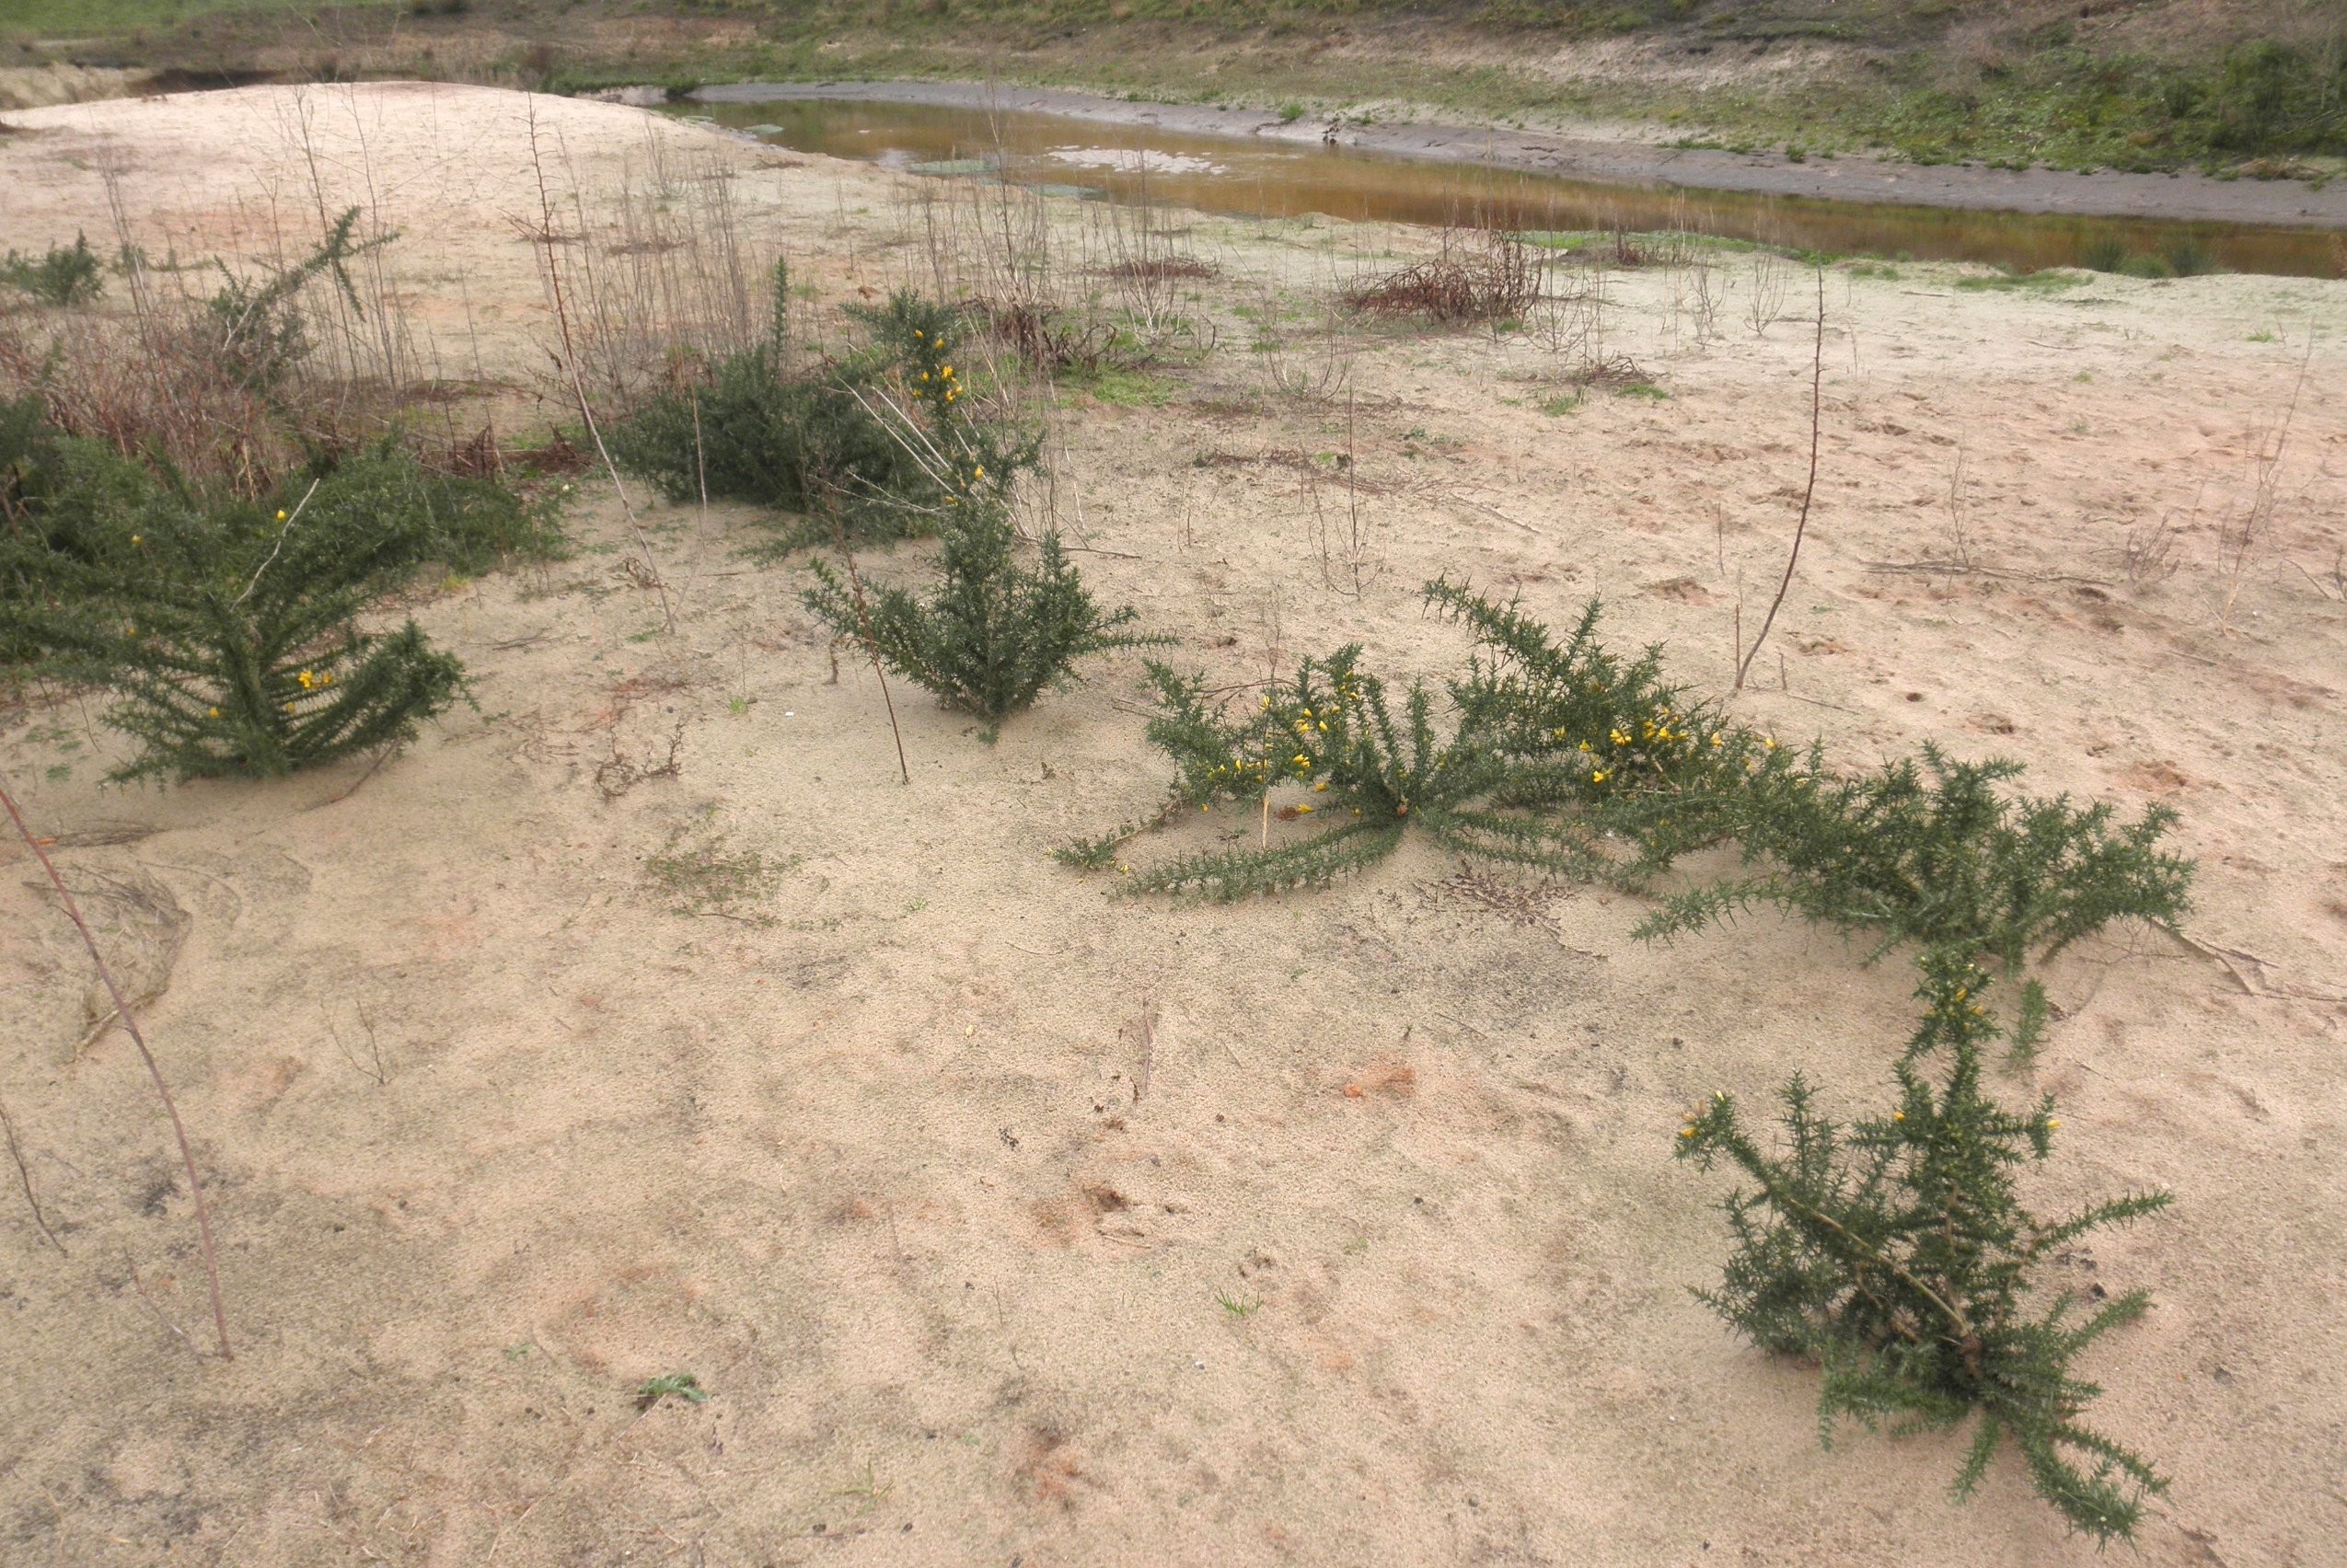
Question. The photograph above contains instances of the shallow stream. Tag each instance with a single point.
(1284, 176)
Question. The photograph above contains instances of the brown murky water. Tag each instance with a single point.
(1255, 180)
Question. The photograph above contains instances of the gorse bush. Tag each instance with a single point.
(1897, 1254)
(1560, 756)
(1370, 773)
(261, 333)
(65, 274)
(1935, 855)
(818, 440)
(1661, 772)
(994, 633)
(757, 429)
(1567, 756)
(229, 629)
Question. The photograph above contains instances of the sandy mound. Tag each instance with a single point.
(1368, 1249)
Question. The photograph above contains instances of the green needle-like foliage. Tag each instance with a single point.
(1897, 1254)
(863, 445)
(1567, 758)
(1331, 729)
(1937, 856)
(994, 633)
(63, 274)
(229, 629)
(1613, 738)
(262, 332)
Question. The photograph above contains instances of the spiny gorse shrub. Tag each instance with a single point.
(1568, 757)
(1660, 771)
(260, 331)
(1935, 854)
(817, 439)
(229, 629)
(1560, 756)
(1368, 772)
(994, 633)
(1897, 1254)
(65, 274)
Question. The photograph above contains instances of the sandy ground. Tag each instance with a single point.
(1368, 1248)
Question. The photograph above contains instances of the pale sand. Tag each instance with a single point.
(879, 1172)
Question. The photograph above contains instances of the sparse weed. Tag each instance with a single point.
(2107, 254)
(698, 872)
(1484, 275)
(683, 1386)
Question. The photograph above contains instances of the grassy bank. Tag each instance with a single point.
(2262, 89)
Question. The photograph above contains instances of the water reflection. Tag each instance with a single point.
(1283, 179)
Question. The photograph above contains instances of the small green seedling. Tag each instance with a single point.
(682, 1385)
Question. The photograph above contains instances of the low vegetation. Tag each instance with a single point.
(1565, 755)
(821, 439)
(2154, 86)
(994, 633)
(1896, 1255)
(201, 518)
(224, 576)
(1482, 275)
(62, 275)
(229, 629)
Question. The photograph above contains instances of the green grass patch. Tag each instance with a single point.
(2051, 281)
(1126, 388)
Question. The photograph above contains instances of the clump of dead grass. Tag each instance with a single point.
(1480, 275)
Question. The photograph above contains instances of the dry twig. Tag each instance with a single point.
(129, 1024)
(1809, 491)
